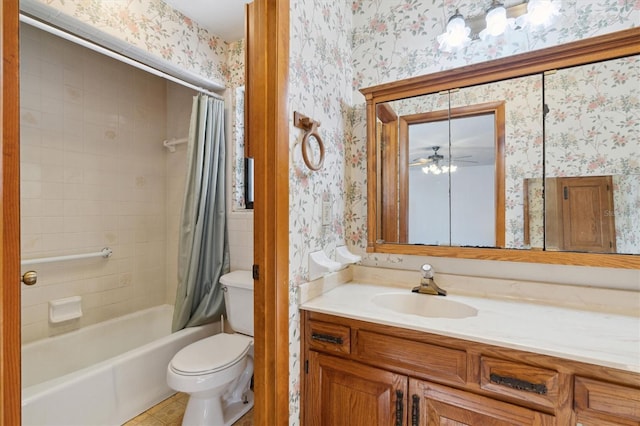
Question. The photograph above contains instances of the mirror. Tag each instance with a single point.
(592, 157)
(558, 129)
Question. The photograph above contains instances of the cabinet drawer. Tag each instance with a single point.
(328, 337)
(410, 357)
(520, 381)
(601, 398)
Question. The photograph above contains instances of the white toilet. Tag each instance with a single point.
(216, 372)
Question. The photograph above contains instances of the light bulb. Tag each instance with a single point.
(541, 12)
(456, 34)
(496, 20)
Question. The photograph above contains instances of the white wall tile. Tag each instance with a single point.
(75, 147)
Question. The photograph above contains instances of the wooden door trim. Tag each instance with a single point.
(497, 108)
(10, 223)
(268, 125)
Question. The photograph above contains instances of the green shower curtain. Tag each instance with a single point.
(203, 255)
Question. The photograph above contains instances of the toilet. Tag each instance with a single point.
(216, 371)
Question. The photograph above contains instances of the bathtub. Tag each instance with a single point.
(103, 374)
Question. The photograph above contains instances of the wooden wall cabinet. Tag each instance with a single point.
(359, 373)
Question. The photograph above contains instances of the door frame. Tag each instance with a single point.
(10, 407)
(268, 124)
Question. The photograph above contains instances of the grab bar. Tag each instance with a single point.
(170, 144)
(105, 252)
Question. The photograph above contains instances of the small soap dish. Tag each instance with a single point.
(344, 256)
(320, 264)
(61, 310)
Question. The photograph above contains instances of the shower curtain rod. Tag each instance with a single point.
(110, 53)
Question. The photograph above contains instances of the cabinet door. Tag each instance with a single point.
(345, 393)
(599, 403)
(436, 405)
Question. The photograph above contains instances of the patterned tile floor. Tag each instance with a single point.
(170, 411)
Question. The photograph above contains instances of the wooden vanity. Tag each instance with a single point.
(362, 373)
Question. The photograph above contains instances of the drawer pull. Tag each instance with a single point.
(415, 410)
(327, 338)
(399, 407)
(523, 385)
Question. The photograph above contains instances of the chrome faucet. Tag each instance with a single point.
(427, 284)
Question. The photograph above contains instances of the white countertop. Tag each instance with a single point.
(605, 339)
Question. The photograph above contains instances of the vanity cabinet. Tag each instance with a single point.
(362, 373)
(357, 394)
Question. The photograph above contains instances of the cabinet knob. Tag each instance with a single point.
(29, 278)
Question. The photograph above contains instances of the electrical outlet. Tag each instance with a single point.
(326, 209)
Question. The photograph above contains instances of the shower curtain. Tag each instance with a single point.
(203, 255)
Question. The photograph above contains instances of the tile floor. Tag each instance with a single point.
(170, 411)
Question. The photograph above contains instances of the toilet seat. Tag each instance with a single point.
(211, 355)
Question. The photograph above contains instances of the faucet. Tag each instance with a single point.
(427, 284)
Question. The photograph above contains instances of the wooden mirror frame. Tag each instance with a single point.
(595, 49)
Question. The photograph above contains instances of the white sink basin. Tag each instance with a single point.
(424, 305)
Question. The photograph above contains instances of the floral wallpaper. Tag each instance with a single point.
(626, 204)
(593, 129)
(235, 70)
(320, 88)
(150, 25)
(237, 152)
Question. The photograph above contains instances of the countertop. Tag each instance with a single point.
(599, 338)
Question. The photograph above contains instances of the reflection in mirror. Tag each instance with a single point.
(242, 183)
(592, 157)
(491, 134)
(520, 101)
(459, 154)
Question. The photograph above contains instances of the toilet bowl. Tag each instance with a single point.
(216, 371)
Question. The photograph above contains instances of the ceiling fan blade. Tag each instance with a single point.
(418, 162)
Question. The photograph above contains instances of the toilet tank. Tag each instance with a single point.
(238, 299)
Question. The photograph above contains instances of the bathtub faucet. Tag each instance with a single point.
(427, 283)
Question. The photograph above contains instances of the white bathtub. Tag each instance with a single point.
(103, 374)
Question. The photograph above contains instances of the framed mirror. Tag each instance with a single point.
(543, 205)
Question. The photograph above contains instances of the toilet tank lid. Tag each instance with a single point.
(241, 279)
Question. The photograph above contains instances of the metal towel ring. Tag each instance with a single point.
(311, 129)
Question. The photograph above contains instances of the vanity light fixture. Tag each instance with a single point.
(496, 21)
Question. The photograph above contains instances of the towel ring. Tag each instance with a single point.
(311, 129)
(306, 147)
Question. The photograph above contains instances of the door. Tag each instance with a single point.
(346, 393)
(436, 405)
(10, 222)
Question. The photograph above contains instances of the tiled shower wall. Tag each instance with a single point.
(95, 174)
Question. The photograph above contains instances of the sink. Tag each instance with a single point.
(424, 305)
